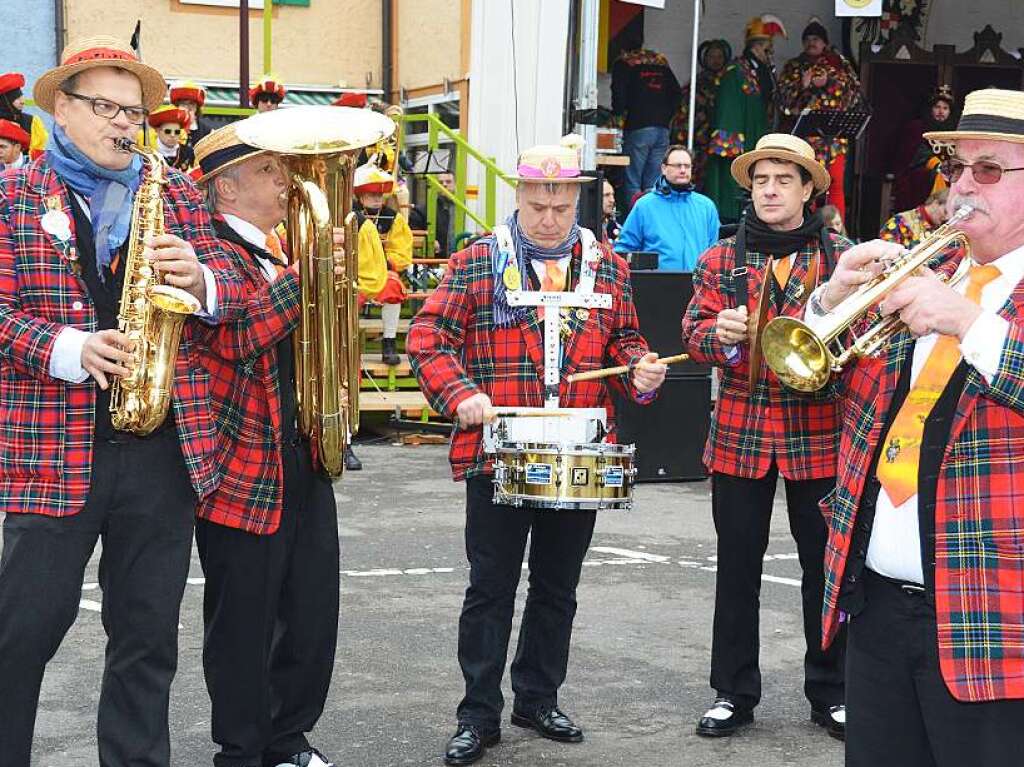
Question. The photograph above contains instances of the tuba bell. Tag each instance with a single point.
(320, 148)
(805, 359)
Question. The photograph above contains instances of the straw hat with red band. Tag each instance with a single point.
(169, 114)
(370, 179)
(14, 132)
(270, 88)
(357, 100)
(550, 165)
(99, 51)
(11, 81)
(187, 90)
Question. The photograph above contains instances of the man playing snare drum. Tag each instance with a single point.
(470, 349)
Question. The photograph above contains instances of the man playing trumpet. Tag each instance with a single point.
(925, 548)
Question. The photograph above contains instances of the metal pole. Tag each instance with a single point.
(587, 99)
(693, 74)
(243, 53)
(268, 17)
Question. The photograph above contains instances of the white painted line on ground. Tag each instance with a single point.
(777, 579)
(90, 604)
(630, 554)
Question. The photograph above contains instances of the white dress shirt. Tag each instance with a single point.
(253, 236)
(895, 546)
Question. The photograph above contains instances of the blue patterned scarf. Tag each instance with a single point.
(110, 193)
(525, 253)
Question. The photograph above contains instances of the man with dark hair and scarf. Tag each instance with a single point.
(761, 430)
(470, 348)
(12, 104)
(915, 164)
(821, 78)
(743, 113)
(714, 56)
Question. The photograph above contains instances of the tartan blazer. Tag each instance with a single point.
(241, 359)
(749, 431)
(46, 424)
(456, 351)
(979, 512)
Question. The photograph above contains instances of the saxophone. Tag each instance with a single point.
(151, 314)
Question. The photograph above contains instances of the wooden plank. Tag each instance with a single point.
(410, 402)
(373, 365)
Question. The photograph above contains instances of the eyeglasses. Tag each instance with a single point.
(678, 165)
(983, 171)
(110, 109)
(171, 131)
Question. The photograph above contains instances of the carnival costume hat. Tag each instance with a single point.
(188, 90)
(781, 146)
(942, 93)
(990, 114)
(99, 51)
(269, 89)
(14, 132)
(220, 150)
(764, 27)
(550, 164)
(371, 180)
(168, 114)
(351, 99)
(815, 28)
(11, 82)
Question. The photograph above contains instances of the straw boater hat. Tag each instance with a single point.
(550, 164)
(989, 115)
(99, 51)
(221, 149)
(781, 146)
(371, 179)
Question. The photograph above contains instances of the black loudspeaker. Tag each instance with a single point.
(669, 433)
(591, 207)
(661, 299)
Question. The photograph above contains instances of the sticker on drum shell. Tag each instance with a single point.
(540, 474)
(614, 476)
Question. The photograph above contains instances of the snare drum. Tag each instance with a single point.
(551, 475)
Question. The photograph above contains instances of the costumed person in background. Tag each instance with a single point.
(915, 165)
(470, 349)
(611, 227)
(269, 641)
(911, 226)
(14, 144)
(714, 57)
(821, 78)
(12, 104)
(352, 99)
(833, 220)
(743, 113)
(761, 430)
(191, 96)
(169, 121)
(267, 94)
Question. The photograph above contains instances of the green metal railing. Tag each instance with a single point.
(463, 151)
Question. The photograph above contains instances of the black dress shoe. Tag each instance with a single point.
(468, 744)
(723, 719)
(832, 719)
(549, 722)
(351, 462)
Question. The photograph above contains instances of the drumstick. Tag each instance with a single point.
(605, 372)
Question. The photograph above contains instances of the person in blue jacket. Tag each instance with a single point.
(671, 219)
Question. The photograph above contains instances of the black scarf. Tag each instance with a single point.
(760, 238)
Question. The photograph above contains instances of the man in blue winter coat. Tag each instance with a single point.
(671, 220)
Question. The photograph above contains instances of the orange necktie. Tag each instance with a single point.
(554, 277)
(781, 270)
(274, 247)
(898, 465)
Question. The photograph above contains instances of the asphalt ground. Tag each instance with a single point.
(638, 675)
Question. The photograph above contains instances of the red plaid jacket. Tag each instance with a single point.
(979, 514)
(46, 424)
(456, 351)
(241, 358)
(749, 431)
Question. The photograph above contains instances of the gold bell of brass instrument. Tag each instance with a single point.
(805, 359)
(320, 148)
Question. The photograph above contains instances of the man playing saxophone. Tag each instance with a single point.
(68, 477)
(269, 643)
(925, 548)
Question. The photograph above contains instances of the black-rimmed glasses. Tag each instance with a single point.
(983, 171)
(110, 109)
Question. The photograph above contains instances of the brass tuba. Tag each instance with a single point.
(805, 359)
(151, 314)
(320, 147)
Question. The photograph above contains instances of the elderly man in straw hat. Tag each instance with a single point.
(925, 544)
(470, 349)
(68, 477)
(269, 643)
(762, 431)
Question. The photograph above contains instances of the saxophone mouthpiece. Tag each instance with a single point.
(123, 144)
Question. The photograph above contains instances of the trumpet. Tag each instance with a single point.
(805, 359)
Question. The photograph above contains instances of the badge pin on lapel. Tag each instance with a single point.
(55, 221)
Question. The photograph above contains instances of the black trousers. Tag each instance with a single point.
(742, 510)
(899, 712)
(142, 505)
(270, 610)
(495, 543)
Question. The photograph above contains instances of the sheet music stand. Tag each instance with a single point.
(832, 123)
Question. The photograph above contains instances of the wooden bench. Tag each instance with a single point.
(411, 403)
